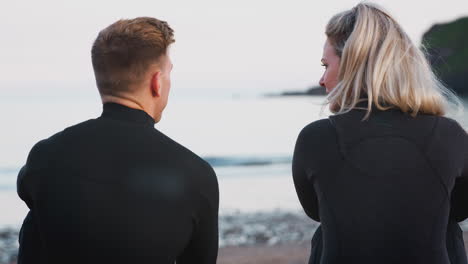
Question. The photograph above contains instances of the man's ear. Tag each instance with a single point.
(155, 84)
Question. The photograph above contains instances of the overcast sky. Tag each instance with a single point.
(47, 82)
(244, 44)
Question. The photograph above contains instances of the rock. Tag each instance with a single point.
(447, 47)
(265, 228)
(8, 246)
(313, 91)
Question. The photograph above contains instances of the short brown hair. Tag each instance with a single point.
(123, 51)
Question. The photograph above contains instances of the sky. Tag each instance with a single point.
(227, 45)
(223, 49)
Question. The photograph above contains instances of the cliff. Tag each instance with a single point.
(447, 47)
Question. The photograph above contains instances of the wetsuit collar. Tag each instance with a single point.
(363, 106)
(124, 113)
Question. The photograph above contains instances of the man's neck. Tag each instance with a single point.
(126, 101)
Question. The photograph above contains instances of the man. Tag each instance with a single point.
(114, 189)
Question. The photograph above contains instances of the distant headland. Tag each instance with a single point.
(312, 91)
(446, 46)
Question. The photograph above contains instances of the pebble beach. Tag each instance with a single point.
(245, 238)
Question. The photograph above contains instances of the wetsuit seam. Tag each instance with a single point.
(333, 216)
(431, 135)
(433, 229)
(336, 227)
(341, 144)
(423, 154)
(447, 192)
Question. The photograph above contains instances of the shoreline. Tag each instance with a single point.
(265, 228)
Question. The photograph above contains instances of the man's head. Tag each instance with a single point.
(131, 62)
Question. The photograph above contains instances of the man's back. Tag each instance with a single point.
(115, 190)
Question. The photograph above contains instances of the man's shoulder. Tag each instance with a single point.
(195, 169)
(43, 151)
(66, 131)
(183, 155)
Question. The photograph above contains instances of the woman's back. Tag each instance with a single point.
(380, 187)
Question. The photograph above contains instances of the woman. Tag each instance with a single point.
(385, 172)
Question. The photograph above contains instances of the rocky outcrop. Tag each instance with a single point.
(312, 91)
(447, 47)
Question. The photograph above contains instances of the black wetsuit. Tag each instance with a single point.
(116, 190)
(383, 188)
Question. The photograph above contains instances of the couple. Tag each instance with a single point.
(386, 175)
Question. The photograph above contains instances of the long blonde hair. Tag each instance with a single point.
(379, 64)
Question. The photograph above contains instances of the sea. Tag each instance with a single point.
(247, 135)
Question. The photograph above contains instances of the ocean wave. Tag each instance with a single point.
(215, 161)
(9, 170)
(224, 161)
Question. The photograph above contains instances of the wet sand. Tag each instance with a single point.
(287, 253)
(284, 254)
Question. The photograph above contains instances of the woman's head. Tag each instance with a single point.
(378, 63)
(331, 62)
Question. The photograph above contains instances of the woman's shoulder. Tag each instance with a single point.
(319, 126)
(449, 123)
(318, 141)
(449, 128)
(319, 131)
